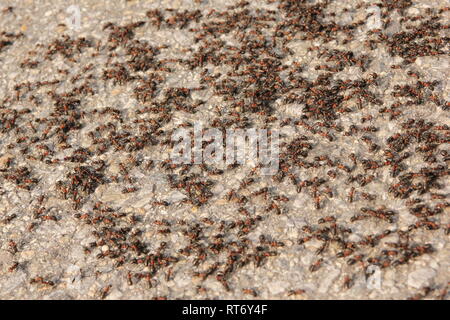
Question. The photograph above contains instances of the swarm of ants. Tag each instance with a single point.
(251, 76)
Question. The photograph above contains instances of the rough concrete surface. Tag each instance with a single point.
(88, 196)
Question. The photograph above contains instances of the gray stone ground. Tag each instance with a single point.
(55, 249)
